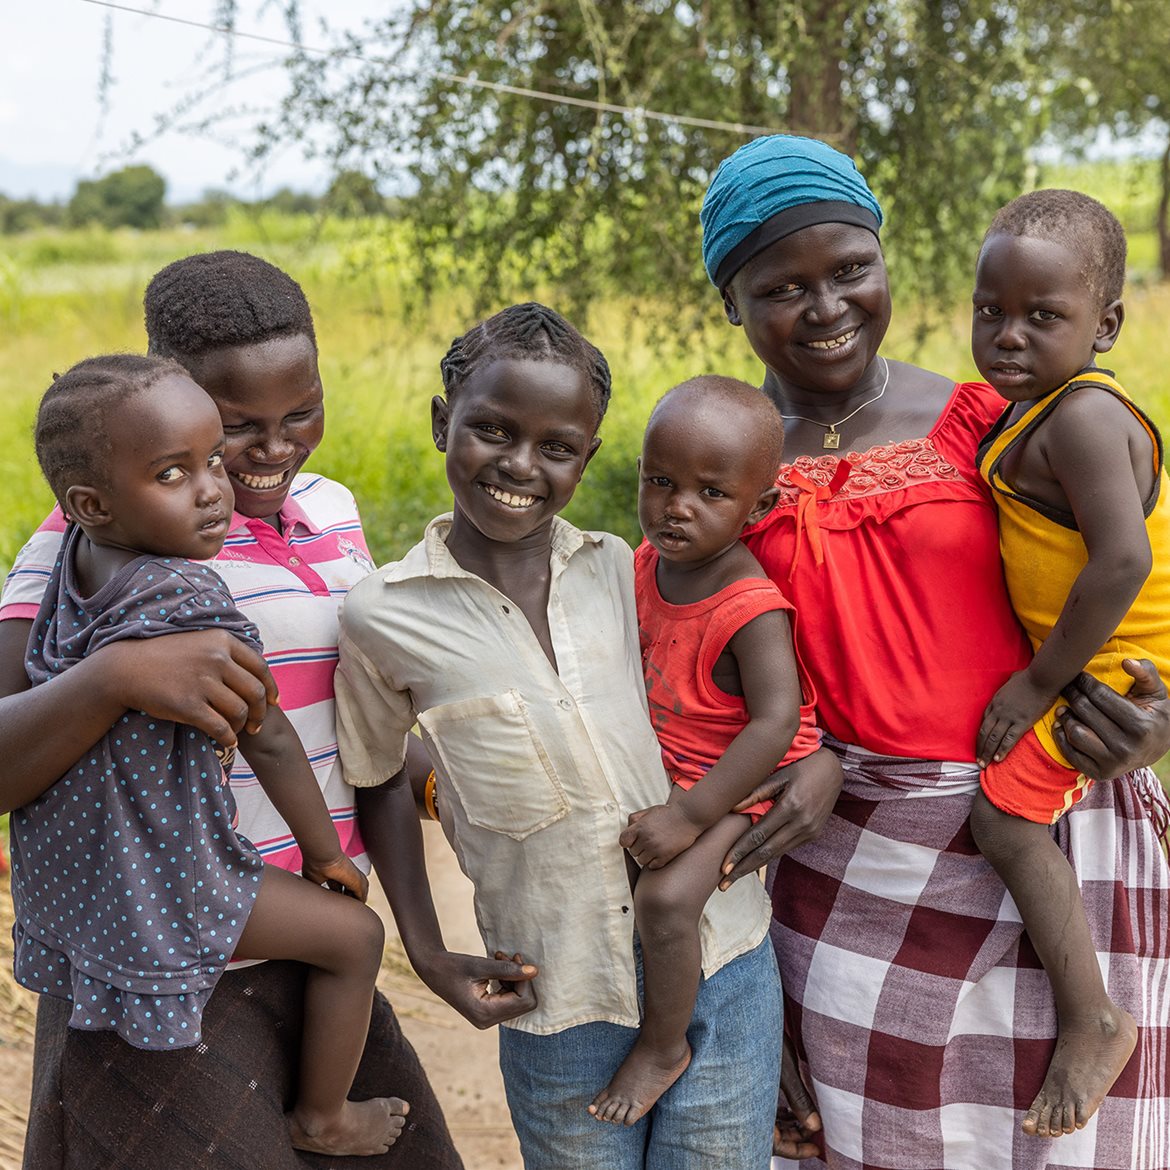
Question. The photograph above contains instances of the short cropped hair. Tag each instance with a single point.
(72, 435)
(713, 390)
(213, 300)
(1078, 222)
(524, 331)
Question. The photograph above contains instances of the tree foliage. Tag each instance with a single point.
(1112, 70)
(130, 197)
(353, 195)
(939, 100)
(22, 215)
(931, 96)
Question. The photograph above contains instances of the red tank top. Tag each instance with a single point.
(695, 721)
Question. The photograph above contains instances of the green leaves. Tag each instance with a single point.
(940, 101)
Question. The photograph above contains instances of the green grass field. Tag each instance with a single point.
(66, 295)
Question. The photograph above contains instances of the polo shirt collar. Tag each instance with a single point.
(292, 517)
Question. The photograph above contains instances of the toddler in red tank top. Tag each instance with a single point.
(726, 695)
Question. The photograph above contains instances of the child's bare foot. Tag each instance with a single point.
(360, 1129)
(644, 1076)
(1089, 1057)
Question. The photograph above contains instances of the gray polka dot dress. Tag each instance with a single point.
(131, 887)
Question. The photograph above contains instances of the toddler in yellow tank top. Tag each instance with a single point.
(1076, 471)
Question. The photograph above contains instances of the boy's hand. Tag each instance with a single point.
(464, 981)
(338, 873)
(657, 835)
(1014, 708)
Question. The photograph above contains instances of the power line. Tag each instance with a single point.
(458, 79)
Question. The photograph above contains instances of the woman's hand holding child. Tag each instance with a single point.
(223, 688)
(805, 793)
(1105, 734)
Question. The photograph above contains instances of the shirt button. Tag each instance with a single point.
(609, 806)
(294, 560)
(564, 704)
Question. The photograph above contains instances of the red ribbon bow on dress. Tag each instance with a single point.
(807, 522)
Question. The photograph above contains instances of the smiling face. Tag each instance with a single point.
(167, 492)
(1036, 321)
(270, 398)
(517, 435)
(701, 479)
(815, 305)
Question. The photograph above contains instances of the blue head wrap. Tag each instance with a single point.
(772, 187)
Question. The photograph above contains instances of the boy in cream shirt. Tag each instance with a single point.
(510, 637)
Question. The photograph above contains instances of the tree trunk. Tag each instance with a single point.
(816, 104)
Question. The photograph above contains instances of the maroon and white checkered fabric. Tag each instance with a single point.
(922, 1016)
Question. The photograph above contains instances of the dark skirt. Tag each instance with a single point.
(99, 1104)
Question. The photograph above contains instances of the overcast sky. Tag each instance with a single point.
(53, 132)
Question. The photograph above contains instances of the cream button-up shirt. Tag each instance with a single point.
(538, 768)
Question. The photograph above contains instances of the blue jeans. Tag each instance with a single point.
(719, 1113)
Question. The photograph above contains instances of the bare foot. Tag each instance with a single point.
(360, 1129)
(1089, 1057)
(644, 1076)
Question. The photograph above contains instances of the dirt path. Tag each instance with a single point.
(460, 1060)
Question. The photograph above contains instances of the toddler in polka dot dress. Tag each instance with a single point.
(131, 887)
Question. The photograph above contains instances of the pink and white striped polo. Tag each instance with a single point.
(291, 584)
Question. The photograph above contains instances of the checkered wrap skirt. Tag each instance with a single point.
(922, 1017)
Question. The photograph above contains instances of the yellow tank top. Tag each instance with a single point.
(1043, 551)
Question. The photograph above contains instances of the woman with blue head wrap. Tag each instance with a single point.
(921, 1021)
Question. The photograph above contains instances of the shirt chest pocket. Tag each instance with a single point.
(491, 754)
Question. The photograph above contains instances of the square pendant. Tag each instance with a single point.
(832, 441)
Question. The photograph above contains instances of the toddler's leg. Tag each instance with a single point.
(1096, 1037)
(342, 941)
(668, 903)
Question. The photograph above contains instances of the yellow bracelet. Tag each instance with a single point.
(429, 796)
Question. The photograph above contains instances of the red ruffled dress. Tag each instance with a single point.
(905, 625)
(921, 1017)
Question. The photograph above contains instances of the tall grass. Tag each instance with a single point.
(66, 295)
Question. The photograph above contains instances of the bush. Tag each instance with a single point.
(131, 197)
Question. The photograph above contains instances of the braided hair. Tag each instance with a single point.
(213, 300)
(1077, 221)
(72, 433)
(532, 331)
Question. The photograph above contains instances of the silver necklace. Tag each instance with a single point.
(832, 438)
